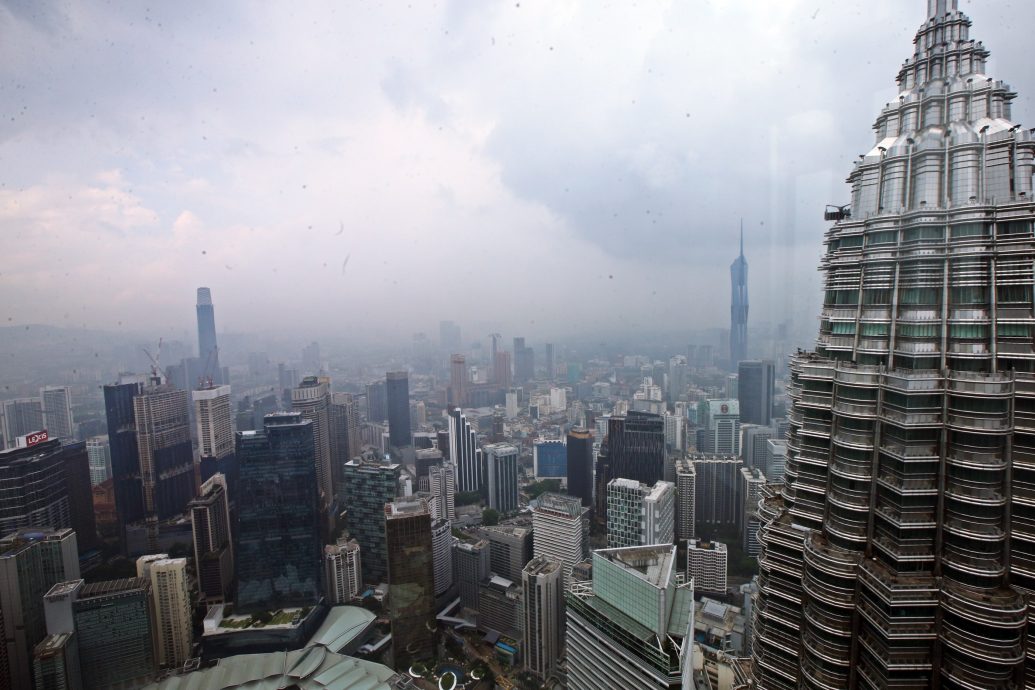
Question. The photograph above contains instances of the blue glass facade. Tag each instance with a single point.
(551, 459)
(278, 542)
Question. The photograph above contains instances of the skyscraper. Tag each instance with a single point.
(411, 597)
(208, 350)
(377, 401)
(457, 381)
(368, 486)
(57, 412)
(397, 385)
(35, 490)
(212, 418)
(442, 484)
(640, 515)
(343, 574)
(465, 453)
(312, 399)
(115, 629)
(717, 498)
(22, 416)
(706, 564)
(560, 532)
(686, 499)
(213, 547)
(900, 552)
(752, 482)
(501, 460)
(756, 380)
(502, 375)
(632, 626)
(278, 550)
(635, 449)
(510, 548)
(442, 556)
(524, 362)
(738, 306)
(720, 426)
(99, 451)
(471, 563)
(172, 606)
(542, 583)
(345, 440)
(548, 356)
(549, 459)
(125, 456)
(31, 562)
(580, 465)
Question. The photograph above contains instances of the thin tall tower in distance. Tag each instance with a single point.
(739, 306)
(208, 351)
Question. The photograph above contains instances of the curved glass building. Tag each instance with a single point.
(900, 551)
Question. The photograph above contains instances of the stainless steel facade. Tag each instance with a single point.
(900, 551)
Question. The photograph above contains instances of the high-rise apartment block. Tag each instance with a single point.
(686, 499)
(98, 450)
(343, 575)
(706, 564)
(756, 389)
(442, 485)
(411, 597)
(213, 421)
(278, 550)
(905, 524)
(560, 530)
(501, 461)
(397, 389)
(312, 399)
(172, 607)
(368, 487)
(632, 625)
(213, 544)
(57, 412)
(717, 497)
(542, 585)
(640, 515)
(752, 482)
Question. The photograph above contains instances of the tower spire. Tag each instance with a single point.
(938, 8)
(742, 237)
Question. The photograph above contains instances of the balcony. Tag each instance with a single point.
(910, 628)
(965, 420)
(982, 459)
(923, 485)
(909, 451)
(903, 552)
(816, 677)
(1001, 608)
(913, 381)
(911, 418)
(834, 625)
(982, 384)
(854, 439)
(898, 588)
(973, 493)
(988, 565)
(972, 646)
(983, 531)
(913, 658)
(856, 409)
(915, 518)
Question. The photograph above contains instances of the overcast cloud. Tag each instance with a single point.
(375, 167)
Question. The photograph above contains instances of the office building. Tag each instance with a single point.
(312, 400)
(579, 465)
(57, 412)
(213, 422)
(510, 548)
(756, 389)
(717, 498)
(738, 306)
(343, 573)
(172, 607)
(501, 367)
(752, 482)
(632, 625)
(368, 487)
(706, 564)
(550, 459)
(640, 515)
(775, 459)
(98, 450)
(35, 489)
(343, 417)
(162, 421)
(115, 629)
(549, 363)
(524, 362)
(22, 416)
(213, 545)
(542, 587)
(501, 461)
(720, 422)
(278, 548)
(511, 403)
(377, 401)
(686, 499)
(675, 432)
(442, 485)
(80, 495)
(636, 447)
(753, 440)
(31, 562)
(500, 607)
(411, 597)
(457, 394)
(208, 349)
(560, 530)
(397, 390)
(910, 447)
(55, 663)
(465, 453)
(472, 565)
(442, 556)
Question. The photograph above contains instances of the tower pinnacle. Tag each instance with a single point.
(938, 8)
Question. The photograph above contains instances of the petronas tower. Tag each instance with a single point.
(900, 552)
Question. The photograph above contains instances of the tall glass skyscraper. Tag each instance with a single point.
(279, 554)
(901, 550)
(208, 350)
(397, 385)
(738, 306)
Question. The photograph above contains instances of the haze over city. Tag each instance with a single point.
(364, 171)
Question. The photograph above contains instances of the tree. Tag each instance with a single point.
(490, 517)
(467, 498)
(537, 489)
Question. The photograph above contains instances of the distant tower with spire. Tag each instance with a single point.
(739, 306)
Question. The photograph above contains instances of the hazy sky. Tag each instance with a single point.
(360, 167)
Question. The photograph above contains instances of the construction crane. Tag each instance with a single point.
(156, 367)
(205, 380)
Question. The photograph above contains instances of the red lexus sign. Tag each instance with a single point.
(36, 438)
